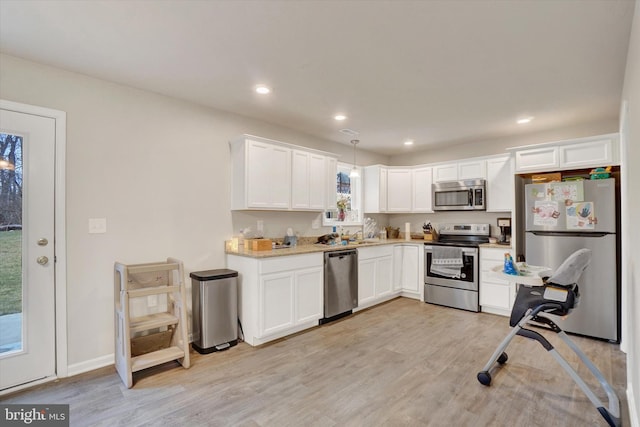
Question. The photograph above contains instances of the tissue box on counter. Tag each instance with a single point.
(261, 244)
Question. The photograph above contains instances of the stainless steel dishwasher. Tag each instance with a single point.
(340, 283)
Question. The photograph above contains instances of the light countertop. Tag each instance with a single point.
(312, 248)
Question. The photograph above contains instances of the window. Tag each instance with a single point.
(348, 207)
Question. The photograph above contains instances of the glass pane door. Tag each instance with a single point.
(10, 243)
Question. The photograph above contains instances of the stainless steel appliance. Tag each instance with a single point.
(562, 217)
(215, 310)
(455, 285)
(459, 195)
(340, 283)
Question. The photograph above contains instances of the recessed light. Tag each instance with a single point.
(408, 142)
(524, 120)
(262, 89)
(340, 117)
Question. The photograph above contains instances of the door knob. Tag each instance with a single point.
(43, 242)
(42, 260)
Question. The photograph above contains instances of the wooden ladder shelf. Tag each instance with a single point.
(158, 335)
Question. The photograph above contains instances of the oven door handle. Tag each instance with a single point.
(465, 251)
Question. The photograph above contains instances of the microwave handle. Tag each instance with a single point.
(471, 197)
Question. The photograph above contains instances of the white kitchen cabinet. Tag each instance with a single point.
(465, 169)
(330, 183)
(422, 196)
(300, 168)
(276, 303)
(597, 152)
(273, 175)
(375, 189)
(375, 275)
(445, 172)
(390, 189)
(278, 296)
(292, 297)
(537, 159)
(602, 150)
(407, 269)
(309, 291)
(496, 295)
(399, 190)
(308, 181)
(366, 281)
(500, 195)
(472, 169)
(268, 176)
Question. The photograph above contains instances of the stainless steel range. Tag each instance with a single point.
(452, 268)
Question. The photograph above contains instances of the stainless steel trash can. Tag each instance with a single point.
(214, 296)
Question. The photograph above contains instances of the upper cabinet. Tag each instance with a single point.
(472, 169)
(445, 172)
(375, 189)
(422, 180)
(467, 169)
(397, 189)
(602, 150)
(272, 175)
(500, 184)
(308, 180)
(261, 176)
(330, 183)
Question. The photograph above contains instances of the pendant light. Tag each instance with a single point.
(354, 171)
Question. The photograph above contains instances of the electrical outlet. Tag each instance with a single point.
(260, 226)
(315, 224)
(152, 300)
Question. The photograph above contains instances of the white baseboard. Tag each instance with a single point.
(90, 365)
(497, 311)
(634, 416)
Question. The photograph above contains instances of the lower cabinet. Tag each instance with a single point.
(278, 296)
(288, 299)
(408, 269)
(282, 295)
(496, 295)
(375, 275)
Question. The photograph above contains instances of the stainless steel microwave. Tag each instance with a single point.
(467, 195)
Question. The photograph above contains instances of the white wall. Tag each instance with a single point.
(631, 258)
(156, 168)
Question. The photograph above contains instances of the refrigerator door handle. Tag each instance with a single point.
(569, 234)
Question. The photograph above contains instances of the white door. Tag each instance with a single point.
(27, 263)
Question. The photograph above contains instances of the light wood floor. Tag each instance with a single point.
(403, 363)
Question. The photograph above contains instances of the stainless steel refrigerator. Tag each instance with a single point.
(562, 217)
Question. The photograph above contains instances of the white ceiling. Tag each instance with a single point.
(438, 72)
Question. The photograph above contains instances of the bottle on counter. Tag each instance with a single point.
(510, 267)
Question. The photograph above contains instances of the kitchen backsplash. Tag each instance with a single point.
(416, 220)
(275, 224)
